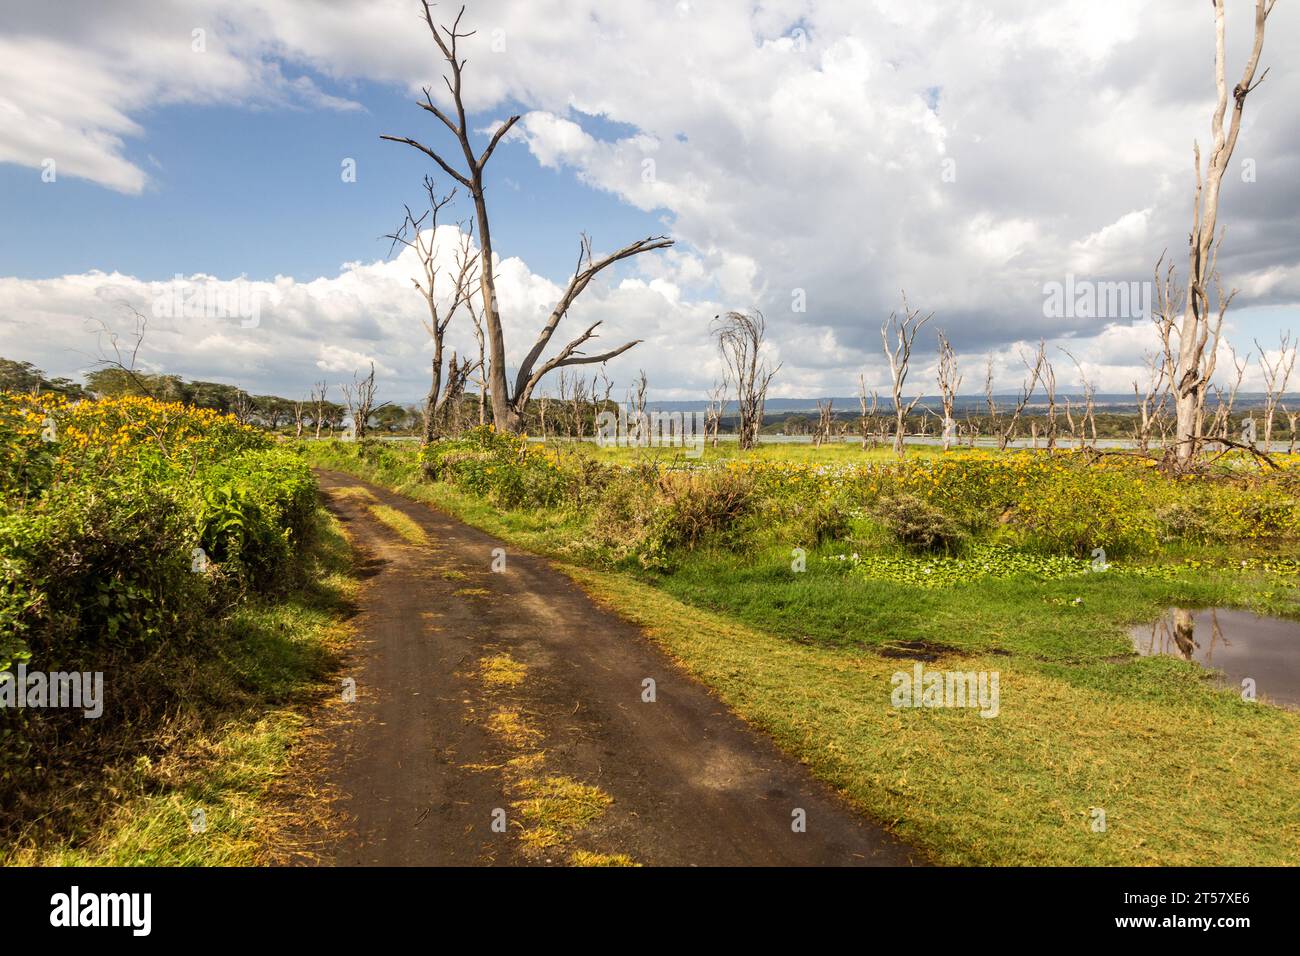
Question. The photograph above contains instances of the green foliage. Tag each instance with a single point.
(498, 466)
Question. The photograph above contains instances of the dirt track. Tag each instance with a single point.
(551, 733)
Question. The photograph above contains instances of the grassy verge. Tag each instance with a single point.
(1184, 773)
(208, 794)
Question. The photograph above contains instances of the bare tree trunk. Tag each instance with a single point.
(899, 353)
(949, 383)
(1193, 361)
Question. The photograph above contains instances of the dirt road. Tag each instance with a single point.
(503, 718)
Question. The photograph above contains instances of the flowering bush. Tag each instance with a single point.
(104, 505)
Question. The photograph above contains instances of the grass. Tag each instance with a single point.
(1185, 773)
(400, 523)
(553, 808)
(210, 795)
(502, 670)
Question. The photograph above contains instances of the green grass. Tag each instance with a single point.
(228, 750)
(1187, 774)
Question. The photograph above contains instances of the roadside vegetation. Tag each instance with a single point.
(184, 557)
(797, 589)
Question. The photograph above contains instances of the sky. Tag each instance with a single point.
(811, 159)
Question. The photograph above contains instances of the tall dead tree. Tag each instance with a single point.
(420, 235)
(897, 335)
(740, 337)
(509, 406)
(1277, 374)
(1198, 329)
(949, 383)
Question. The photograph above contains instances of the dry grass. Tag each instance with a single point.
(400, 523)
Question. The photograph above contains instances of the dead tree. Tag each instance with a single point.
(420, 235)
(1221, 424)
(299, 411)
(949, 383)
(902, 332)
(1004, 427)
(1291, 419)
(448, 409)
(740, 337)
(1198, 330)
(319, 393)
(1047, 375)
(825, 416)
(360, 398)
(717, 406)
(867, 420)
(509, 406)
(1277, 374)
(1089, 423)
(636, 400)
(1150, 400)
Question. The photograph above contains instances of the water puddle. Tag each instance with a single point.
(1240, 644)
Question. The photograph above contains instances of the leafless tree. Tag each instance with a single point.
(867, 420)
(1047, 375)
(420, 235)
(740, 337)
(1150, 398)
(1198, 329)
(243, 407)
(509, 406)
(636, 400)
(897, 335)
(448, 409)
(949, 384)
(825, 417)
(299, 412)
(1004, 426)
(1088, 425)
(360, 398)
(1291, 418)
(1277, 375)
(717, 406)
(1221, 424)
(319, 393)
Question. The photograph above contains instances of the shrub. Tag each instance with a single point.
(648, 520)
(916, 523)
(500, 467)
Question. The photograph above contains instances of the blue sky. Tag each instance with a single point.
(258, 192)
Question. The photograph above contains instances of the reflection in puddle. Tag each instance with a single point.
(1241, 644)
